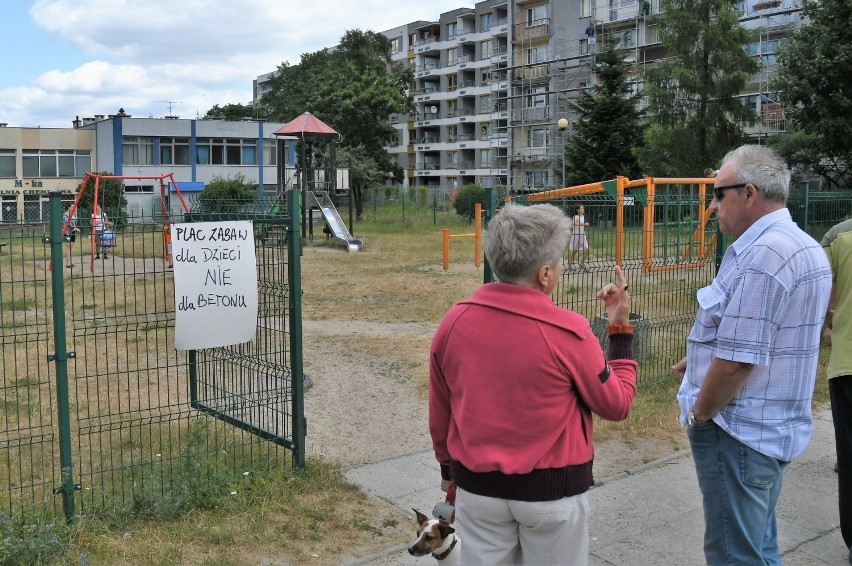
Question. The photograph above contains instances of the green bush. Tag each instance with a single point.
(466, 199)
(391, 192)
(31, 542)
(422, 194)
(227, 195)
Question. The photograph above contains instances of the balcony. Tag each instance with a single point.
(773, 119)
(536, 28)
(539, 114)
(533, 72)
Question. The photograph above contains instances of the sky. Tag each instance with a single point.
(63, 59)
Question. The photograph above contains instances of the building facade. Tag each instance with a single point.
(491, 83)
(35, 161)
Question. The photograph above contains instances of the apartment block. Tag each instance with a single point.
(492, 82)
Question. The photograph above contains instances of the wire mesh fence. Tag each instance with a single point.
(668, 247)
(141, 427)
(152, 426)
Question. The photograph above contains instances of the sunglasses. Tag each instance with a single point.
(719, 192)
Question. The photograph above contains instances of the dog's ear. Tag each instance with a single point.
(421, 518)
(446, 531)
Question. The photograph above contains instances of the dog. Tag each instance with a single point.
(434, 537)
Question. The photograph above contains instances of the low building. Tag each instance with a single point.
(36, 161)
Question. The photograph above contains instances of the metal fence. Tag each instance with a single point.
(668, 248)
(99, 413)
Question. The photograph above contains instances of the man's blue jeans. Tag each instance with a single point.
(740, 487)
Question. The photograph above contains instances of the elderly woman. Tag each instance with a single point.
(514, 381)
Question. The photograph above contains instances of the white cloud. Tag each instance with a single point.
(196, 52)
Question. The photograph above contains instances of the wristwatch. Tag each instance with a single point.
(695, 423)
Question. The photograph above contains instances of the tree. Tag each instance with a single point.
(353, 88)
(232, 112)
(695, 115)
(364, 172)
(608, 124)
(466, 199)
(814, 86)
(227, 194)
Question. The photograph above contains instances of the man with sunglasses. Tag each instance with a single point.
(751, 358)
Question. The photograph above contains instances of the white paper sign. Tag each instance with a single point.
(215, 284)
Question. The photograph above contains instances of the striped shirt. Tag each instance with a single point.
(765, 307)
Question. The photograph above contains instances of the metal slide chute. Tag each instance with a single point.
(321, 200)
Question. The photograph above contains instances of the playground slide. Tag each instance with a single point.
(335, 222)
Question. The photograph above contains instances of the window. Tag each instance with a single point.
(139, 189)
(229, 151)
(536, 179)
(485, 104)
(174, 151)
(536, 15)
(486, 21)
(452, 56)
(56, 163)
(485, 158)
(585, 8)
(270, 152)
(628, 39)
(537, 97)
(538, 137)
(137, 150)
(452, 108)
(7, 163)
(486, 76)
(396, 45)
(485, 49)
(452, 82)
(536, 54)
(452, 160)
(584, 47)
(249, 152)
(452, 133)
(451, 30)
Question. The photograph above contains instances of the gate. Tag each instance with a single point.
(99, 411)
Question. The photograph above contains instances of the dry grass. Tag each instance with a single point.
(310, 517)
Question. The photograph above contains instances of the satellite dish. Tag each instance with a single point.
(433, 109)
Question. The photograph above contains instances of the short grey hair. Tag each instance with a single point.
(519, 240)
(762, 167)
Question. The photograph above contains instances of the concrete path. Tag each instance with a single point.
(650, 514)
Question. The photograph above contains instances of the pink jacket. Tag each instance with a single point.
(514, 381)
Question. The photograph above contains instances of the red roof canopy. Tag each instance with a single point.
(307, 123)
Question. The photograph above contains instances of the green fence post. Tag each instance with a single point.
(61, 355)
(487, 275)
(806, 191)
(294, 279)
(435, 208)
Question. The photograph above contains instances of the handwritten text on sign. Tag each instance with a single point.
(215, 284)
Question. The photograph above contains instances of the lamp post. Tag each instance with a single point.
(563, 125)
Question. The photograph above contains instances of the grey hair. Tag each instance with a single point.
(762, 167)
(520, 240)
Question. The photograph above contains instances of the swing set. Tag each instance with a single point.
(95, 179)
